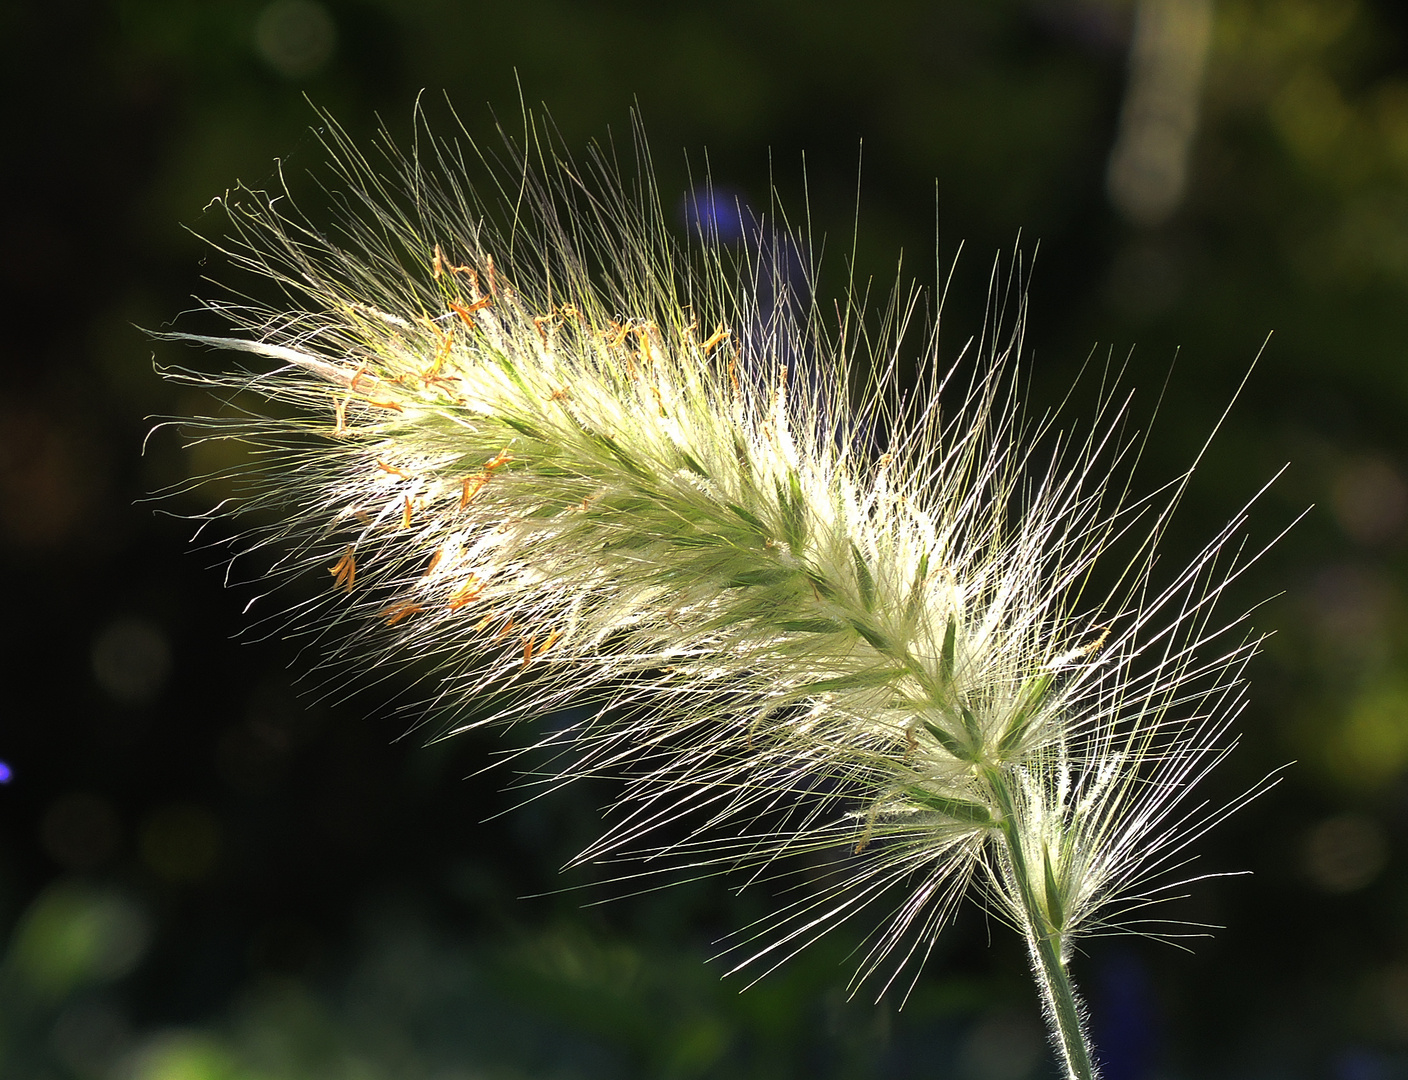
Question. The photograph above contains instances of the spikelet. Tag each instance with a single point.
(572, 460)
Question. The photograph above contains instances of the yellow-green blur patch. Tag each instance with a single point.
(73, 936)
(182, 1055)
(1369, 747)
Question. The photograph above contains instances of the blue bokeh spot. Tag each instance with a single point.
(720, 213)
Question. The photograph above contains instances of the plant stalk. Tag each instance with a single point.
(1044, 942)
(1060, 1004)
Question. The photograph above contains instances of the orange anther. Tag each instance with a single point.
(386, 405)
(715, 339)
(391, 616)
(547, 644)
(441, 265)
(434, 561)
(344, 573)
(446, 342)
(341, 407)
(643, 332)
(502, 458)
(471, 486)
(391, 469)
(466, 314)
(527, 650)
(615, 333)
(1096, 645)
(406, 513)
(467, 594)
(473, 275)
(544, 323)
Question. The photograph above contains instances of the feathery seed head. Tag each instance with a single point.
(572, 459)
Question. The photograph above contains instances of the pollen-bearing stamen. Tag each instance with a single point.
(812, 628)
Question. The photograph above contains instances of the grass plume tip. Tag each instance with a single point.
(559, 456)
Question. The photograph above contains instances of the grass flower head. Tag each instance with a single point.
(572, 459)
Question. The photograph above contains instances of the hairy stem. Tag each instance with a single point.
(1045, 939)
(1060, 1004)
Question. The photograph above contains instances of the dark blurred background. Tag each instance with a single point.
(209, 870)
